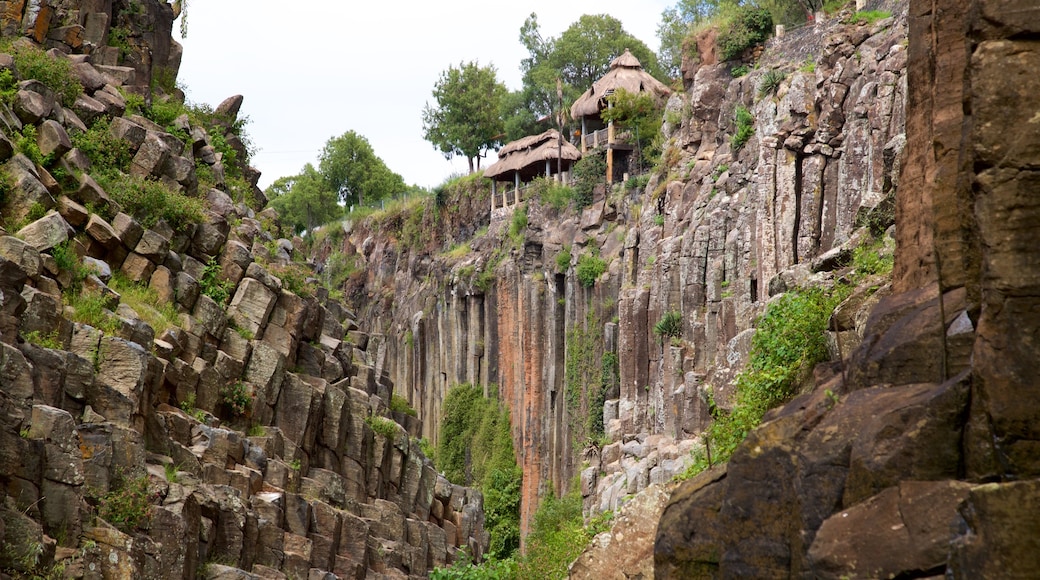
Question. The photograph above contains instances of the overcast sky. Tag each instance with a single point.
(314, 69)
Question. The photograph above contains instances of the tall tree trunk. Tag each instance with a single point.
(470, 159)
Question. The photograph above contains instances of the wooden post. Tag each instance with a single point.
(494, 192)
(610, 152)
(516, 190)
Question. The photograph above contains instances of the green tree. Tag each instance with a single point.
(641, 114)
(579, 57)
(353, 170)
(304, 200)
(467, 118)
(676, 24)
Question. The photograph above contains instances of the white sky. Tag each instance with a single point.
(314, 69)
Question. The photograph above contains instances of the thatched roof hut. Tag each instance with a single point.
(625, 73)
(532, 156)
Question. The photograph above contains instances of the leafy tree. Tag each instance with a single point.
(352, 169)
(641, 114)
(467, 119)
(305, 201)
(676, 24)
(579, 57)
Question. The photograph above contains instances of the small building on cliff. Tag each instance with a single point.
(522, 160)
(626, 73)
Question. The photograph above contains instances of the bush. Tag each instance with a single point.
(551, 193)
(749, 27)
(55, 73)
(563, 259)
(588, 172)
(518, 225)
(108, 154)
(211, 285)
(589, 269)
(128, 505)
(745, 127)
(399, 404)
(236, 398)
(151, 201)
(386, 427)
(670, 325)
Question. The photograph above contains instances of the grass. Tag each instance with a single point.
(55, 73)
(670, 325)
(49, 340)
(145, 302)
(91, 308)
(383, 426)
(399, 404)
(869, 16)
(151, 201)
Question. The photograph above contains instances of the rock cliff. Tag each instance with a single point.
(179, 397)
(927, 465)
(718, 229)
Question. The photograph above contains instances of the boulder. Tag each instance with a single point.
(52, 139)
(251, 305)
(46, 232)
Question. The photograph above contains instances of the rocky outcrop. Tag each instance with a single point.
(933, 439)
(713, 235)
(224, 425)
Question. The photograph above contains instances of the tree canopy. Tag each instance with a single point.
(353, 170)
(304, 200)
(578, 57)
(467, 117)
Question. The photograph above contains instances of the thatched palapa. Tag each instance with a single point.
(527, 158)
(625, 73)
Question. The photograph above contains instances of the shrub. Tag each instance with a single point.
(868, 259)
(26, 144)
(670, 325)
(46, 340)
(8, 86)
(91, 308)
(236, 398)
(637, 182)
(211, 285)
(749, 27)
(128, 505)
(589, 269)
(745, 127)
(383, 426)
(770, 82)
(55, 73)
(563, 259)
(588, 172)
(151, 201)
(107, 153)
(399, 404)
(518, 225)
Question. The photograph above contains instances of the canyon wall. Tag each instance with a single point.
(179, 397)
(926, 465)
(713, 235)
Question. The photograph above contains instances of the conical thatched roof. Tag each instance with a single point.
(528, 155)
(625, 73)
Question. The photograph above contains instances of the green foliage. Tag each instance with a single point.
(170, 471)
(637, 182)
(8, 86)
(119, 37)
(551, 193)
(107, 153)
(670, 325)
(749, 27)
(869, 16)
(188, 406)
(353, 171)
(518, 225)
(212, 285)
(476, 448)
(91, 308)
(640, 114)
(55, 73)
(304, 201)
(128, 505)
(26, 144)
(49, 340)
(871, 258)
(236, 398)
(466, 119)
(383, 426)
(563, 259)
(745, 127)
(590, 268)
(399, 404)
(151, 201)
(658, 220)
(675, 29)
(770, 82)
(164, 111)
(583, 379)
(588, 172)
(464, 569)
(578, 57)
(739, 71)
(809, 66)
(557, 537)
(144, 300)
(789, 340)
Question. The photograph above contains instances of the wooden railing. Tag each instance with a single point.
(595, 139)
